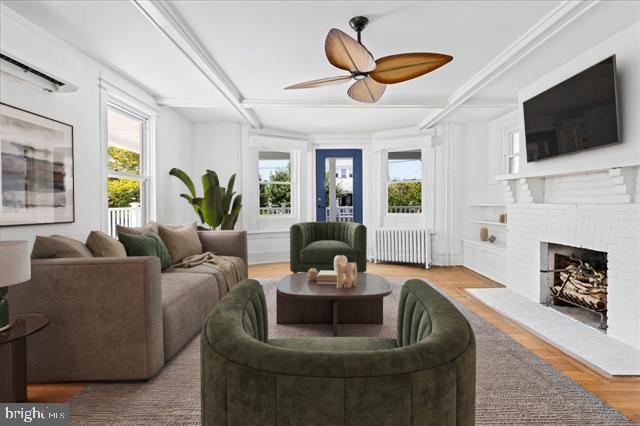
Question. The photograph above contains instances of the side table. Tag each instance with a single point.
(13, 356)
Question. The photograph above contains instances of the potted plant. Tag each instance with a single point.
(218, 207)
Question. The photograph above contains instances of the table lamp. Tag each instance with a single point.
(15, 268)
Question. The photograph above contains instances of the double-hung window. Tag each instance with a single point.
(404, 182)
(127, 180)
(274, 180)
(512, 151)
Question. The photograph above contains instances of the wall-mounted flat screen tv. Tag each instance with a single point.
(578, 114)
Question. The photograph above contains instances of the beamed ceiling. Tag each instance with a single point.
(230, 60)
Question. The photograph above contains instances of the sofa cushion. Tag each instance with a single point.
(58, 246)
(149, 244)
(335, 344)
(104, 245)
(324, 251)
(223, 285)
(181, 241)
(137, 230)
(187, 299)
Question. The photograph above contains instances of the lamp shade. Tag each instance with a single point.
(15, 262)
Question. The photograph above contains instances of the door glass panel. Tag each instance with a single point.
(339, 189)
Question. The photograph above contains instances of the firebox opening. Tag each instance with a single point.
(574, 282)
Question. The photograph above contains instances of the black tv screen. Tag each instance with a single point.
(578, 114)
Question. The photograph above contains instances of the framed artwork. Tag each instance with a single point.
(36, 169)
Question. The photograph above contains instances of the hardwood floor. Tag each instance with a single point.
(621, 393)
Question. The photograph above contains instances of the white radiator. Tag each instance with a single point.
(403, 245)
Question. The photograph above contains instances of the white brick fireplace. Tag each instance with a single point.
(599, 211)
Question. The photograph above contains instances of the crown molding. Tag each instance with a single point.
(160, 14)
(553, 22)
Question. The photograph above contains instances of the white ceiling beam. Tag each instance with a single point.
(556, 20)
(411, 103)
(193, 102)
(387, 103)
(169, 23)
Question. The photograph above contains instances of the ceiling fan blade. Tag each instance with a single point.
(405, 66)
(367, 91)
(320, 82)
(346, 53)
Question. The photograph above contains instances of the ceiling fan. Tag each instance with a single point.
(371, 75)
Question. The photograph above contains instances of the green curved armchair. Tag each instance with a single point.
(315, 244)
(425, 376)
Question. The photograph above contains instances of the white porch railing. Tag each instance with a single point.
(343, 213)
(405, 209)
(124, 216)
(268, 211)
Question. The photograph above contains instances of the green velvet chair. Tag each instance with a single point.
(424, 377)
(315, 244)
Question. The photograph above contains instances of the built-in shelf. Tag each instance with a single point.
(487, 205)
(498, 245)
(489, 222)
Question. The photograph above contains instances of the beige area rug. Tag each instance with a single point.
(514, 387)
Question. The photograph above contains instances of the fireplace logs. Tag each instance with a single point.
(576, 282)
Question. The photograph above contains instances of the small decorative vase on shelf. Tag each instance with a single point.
(484, 234)
(503, 218)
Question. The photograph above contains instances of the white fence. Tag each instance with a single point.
(405, 209)
(343, 214)
(124, 216)
(268, 211)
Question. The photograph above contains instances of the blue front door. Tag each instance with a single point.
(349, 204)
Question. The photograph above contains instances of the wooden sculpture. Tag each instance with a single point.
(312, 274)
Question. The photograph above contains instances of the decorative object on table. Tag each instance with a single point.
(492, 239)
(13, 356)
(484, 234)
(36, 169)
(15, 264)
(346, 273)
(312, 274)
(503, 218)
(218, 207)
(327, 277)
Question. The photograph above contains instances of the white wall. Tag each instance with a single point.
(626, 46)
(174, 149)
(81, 109)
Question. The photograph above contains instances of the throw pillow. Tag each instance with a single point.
(139, 230)
(181, 241)
(104, 245)
(148, 244)
(58, 246)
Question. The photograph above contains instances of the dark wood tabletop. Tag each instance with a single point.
(367, 286)
(23, 326)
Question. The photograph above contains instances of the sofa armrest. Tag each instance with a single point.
(298, 239)
(105, 318)
(225, 243)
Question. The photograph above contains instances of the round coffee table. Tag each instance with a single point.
(300, 301)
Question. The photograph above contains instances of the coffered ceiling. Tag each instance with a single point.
(230, 60)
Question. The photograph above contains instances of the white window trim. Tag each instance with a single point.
(294, 183)
(386, 183)
(507, 152)
(112, 96)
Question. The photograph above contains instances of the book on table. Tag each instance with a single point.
(327, 277)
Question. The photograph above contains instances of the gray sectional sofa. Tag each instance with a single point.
(119, 318)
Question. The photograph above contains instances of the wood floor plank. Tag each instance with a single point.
(621, 393)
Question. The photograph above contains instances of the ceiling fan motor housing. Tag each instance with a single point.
(359, 23)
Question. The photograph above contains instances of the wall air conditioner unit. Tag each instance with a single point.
(30, 54)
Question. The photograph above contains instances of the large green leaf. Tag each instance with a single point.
(185, 179)
(209, 179)
(212, 207)
(231, 219)
(229, 194)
